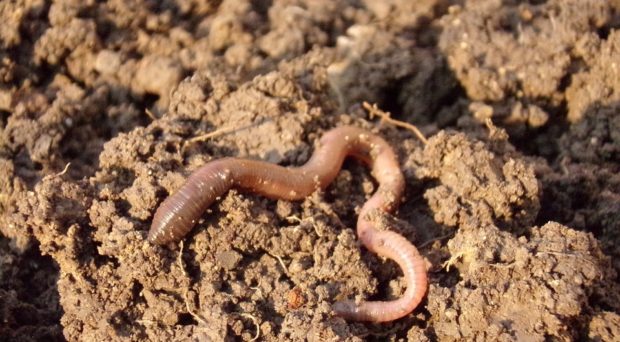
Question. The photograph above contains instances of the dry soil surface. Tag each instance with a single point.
(514, 200)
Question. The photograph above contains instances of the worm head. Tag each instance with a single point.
(346, 309)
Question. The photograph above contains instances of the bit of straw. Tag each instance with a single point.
(196, 315)
(150, 114)
(279, 258)
(439, 238)
(64, 170)
(385, 117)
(255, 321)
(217, 132)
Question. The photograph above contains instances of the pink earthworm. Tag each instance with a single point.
(177, 215)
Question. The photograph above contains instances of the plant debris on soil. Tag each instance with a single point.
(514, 200)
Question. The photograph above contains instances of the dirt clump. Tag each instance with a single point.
(478, 185)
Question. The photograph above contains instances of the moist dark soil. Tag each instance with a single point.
(514, 200)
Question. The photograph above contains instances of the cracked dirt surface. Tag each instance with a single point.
(105, 108)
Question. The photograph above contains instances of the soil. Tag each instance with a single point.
(514, 201)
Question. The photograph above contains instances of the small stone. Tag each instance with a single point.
(450, 314)
(107, 62)
(229, 259)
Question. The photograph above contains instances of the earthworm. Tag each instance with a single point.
(176, 215)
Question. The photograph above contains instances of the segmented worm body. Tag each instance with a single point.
(176, 216)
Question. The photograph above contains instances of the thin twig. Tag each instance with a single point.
(207, 136)
(452, 260)
(294, 218)
(385, 117)
(146, 322)
(255, 321)
(150, 114)
(191, 312)
(279, 258)
(213, 134)
(64, 170)
(222, 131)
(180, 258)
(439, 238)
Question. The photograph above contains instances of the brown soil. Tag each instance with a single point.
(514, 201)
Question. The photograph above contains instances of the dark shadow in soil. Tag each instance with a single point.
(582, 189)
(29, 302)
